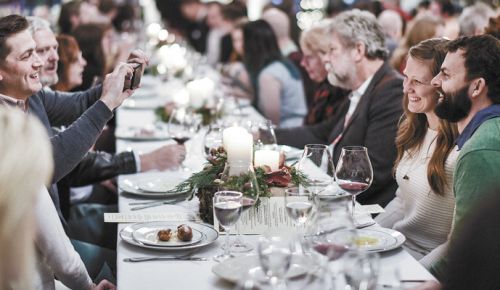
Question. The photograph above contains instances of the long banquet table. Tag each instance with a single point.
(198, 274)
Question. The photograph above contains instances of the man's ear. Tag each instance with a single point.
(479, 85)
(359, 51)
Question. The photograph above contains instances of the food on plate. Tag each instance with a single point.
(184, 233)
(165, 235)
(144, 132)
(365, 241)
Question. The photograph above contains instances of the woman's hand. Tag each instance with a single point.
(104, 285)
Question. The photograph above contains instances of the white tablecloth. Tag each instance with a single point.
(197, 275)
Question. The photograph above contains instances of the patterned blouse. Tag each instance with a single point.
(325, 101)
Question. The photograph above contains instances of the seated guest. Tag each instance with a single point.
(30, 214)
(279, 94)
(327, 98)
(280, 23)
(85, 113)
(70, 65)
(423, 207)
(356, 62)
(469, 86)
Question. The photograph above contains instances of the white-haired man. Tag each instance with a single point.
(356, 62)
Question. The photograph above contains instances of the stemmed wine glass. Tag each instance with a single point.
(212, 139)
(182, 125)
(298, 204)
(227, 209)
(263, 134)
(361, 270)
(354, 172)
(240, 176)
(316, 163)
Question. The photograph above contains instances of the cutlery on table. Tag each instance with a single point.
(157, 204)
(155, 201)
(145, 259)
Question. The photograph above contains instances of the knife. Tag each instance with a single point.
(145, 259)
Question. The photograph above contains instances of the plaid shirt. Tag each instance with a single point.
(325, 101)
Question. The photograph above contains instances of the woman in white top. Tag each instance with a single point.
(423, 207)
(29, 224)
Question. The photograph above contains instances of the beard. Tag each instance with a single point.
(337, 80)
(49, 80)
(455, 106)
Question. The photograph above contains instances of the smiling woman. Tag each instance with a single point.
(423, 207)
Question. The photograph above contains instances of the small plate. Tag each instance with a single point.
(379, 239)
(209, 235)
(144, 93)
(149, 235)
(145, 133)
(235, 269)
(137, 184)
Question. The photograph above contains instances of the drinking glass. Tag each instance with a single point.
(354, 172)
(316, 163)
(299, 205)
(212, 139)
(361, 270)
(227, 209)
(263, 134)
(182, 125)
(240, 176)
(275, 256)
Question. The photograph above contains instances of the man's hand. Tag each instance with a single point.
(138, 56)
(112, 88)
(104, 285)
(165, 157)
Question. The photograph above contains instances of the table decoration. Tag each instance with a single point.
(205, 183)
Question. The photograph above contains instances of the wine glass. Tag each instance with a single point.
(316, 163)
(227, 209)
(212, 139)
(354, 172)
(240, 176)
(275, 256)
(298, 204)
(182, 125)
(361, 270)
(263, 134)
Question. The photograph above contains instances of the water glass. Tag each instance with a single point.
(275, 256)
(227, 209)
(316, 163)
(361, 270)
(298, 204)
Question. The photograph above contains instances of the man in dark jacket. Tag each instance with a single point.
(356, 62)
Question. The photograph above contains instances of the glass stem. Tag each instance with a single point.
(353, 204)
(226, 248)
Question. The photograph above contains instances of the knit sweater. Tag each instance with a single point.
(424, 217)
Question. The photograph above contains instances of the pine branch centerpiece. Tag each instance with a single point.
(205, 183)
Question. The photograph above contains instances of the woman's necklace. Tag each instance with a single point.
(418, 162)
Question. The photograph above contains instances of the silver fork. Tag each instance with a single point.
(157, 204)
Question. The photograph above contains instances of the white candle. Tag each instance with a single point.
(267, 157)
(238, 144)
(200, 91)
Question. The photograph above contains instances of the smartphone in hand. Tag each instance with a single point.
(133, 82)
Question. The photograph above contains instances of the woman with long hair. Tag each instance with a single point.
(278, 89)
(423, 207)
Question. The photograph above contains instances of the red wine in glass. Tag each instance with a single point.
(181, 140)
(246, 203)
(331, 250)
(353, 187)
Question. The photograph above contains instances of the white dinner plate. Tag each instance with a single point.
(209, 235)
(157, 185)
(379, 239)
(237, 268)
(138, 184)
(148, 234)
(143, 104)
(144, 93)
(145, 133)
